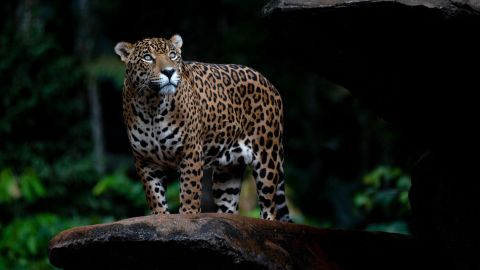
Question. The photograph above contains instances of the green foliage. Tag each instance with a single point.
(173, 196)
(32, 77)
(119, 184)
(254, 213)
(23, 242)
(312, 221)
(27, 186)
(383, 199)
(8, 186)
(107, 67)
(31, 186)
(44, 164)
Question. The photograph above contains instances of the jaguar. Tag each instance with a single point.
(186, 116)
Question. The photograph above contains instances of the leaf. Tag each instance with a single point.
(173, 195)
(404, 183)
(31, 186)
(23, 241)
(392, 227)
(384, 196)
(38, 188)
(362, 201)
(255, 213)
(403, 198)
(31, 245)
(103, 185)
(107, 67)
(8, 186)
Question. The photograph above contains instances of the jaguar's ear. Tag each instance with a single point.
(177, 41)
(123, 49)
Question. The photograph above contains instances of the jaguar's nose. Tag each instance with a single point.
(168, 72)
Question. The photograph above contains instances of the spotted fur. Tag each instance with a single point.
(186, 116)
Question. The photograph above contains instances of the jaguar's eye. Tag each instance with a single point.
(148, 58)
(172, 55)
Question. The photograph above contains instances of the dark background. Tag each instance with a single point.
(64, 156)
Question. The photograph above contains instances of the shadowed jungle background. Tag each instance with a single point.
(64, 156)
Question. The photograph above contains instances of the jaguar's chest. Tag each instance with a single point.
(158, 140)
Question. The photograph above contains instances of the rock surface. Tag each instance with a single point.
(219, 241)
(450, 6)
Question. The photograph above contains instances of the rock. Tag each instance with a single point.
(219, 241)
(445, 206)
(410, 61)
(449, 6)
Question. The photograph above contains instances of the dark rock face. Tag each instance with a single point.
(408, 60)
(219, 241)
(413, 62)
(445, 205)
(449, 6)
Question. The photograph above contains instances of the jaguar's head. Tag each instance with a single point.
(153, 63)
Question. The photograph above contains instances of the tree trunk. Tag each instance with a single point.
(84, 46)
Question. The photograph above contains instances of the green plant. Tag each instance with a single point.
(44, 147)
(27, 186)
(382, 199)
(24, 241)
(118, 184)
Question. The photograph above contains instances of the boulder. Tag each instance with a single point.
(413, 63)
(222, 241)
(450, 7)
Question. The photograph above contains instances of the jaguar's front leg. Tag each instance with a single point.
(191, 172)
(153, 179)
